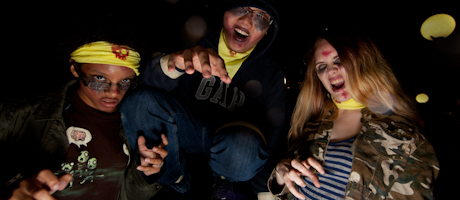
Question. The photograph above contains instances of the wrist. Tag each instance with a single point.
(164, 67)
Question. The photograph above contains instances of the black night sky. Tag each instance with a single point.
(37, 34)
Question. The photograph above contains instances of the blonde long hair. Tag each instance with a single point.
(370, 81)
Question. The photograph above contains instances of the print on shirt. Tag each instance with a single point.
(78, 136)
(85, 168)
(205, 90)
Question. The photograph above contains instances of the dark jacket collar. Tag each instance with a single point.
(53, 103)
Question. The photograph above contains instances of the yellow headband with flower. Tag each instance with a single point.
(107, 53)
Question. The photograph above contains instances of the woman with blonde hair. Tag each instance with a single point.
(354, 133)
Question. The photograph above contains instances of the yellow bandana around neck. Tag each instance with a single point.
(102, 52)
(232, 59)
(351, 104)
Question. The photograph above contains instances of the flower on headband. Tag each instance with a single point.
(121, 52)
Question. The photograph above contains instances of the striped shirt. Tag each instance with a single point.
(338, 167)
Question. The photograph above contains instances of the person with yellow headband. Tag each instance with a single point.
(70, 144)
(354, 133)
(224, 98)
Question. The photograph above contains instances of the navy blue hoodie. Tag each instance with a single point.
(255, 95)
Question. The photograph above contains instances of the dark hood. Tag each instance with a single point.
(268, 6)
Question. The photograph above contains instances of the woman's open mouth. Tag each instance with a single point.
(337, 84)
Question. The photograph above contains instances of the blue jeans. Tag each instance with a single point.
(236, 152)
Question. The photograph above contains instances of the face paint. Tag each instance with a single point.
(326, 53)
(321, 68)
(260, 25)
(345, 94)
(260, 20)
(97, 81)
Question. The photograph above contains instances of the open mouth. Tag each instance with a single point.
(108, 102)
(241, 34)
(337, 84)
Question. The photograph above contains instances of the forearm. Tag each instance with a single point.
(156, 74)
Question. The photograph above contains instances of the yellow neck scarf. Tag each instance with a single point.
(347, 105)
(232, 59)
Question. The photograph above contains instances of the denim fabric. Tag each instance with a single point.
(150, 112)
(237, 152)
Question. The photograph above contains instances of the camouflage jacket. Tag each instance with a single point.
(391, 159)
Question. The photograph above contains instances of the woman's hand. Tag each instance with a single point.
(289, 171)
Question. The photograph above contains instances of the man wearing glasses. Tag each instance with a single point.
(224, 98)
(70, 144)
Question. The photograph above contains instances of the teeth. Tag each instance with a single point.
(241, 32)
(109, 101)
(339, 80)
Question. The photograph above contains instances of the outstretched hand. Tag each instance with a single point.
(289, 171)
(152, 159)
(41, 186)
(204, 60)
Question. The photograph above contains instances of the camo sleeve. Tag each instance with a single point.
(417, 180)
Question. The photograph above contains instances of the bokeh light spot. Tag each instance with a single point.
(195, 27)
(421, 98)
(253, 88)
(436, 26)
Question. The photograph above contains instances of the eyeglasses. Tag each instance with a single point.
(102, 85)
(261, 20)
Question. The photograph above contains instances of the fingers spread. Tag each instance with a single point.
(300, 166)
(141, 143)
(64, 181)
(154, 162)
(164, 140)
(188, 64)
(218, 66)
(304, 169)
(203, 58)
(295, 177)
(31, 189)
(172, 63)
(48, 178)
(42, 194)
(148, 170)
(293, 190)
(162, 152)
(315, 164)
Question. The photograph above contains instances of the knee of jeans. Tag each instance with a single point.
(240, 136)
(143, 95)
(238, 153)
(135, 100)
(240, 140)
(135, 104)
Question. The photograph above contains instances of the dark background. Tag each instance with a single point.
(38, 38)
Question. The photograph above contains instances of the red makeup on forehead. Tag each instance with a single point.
(326, 53)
